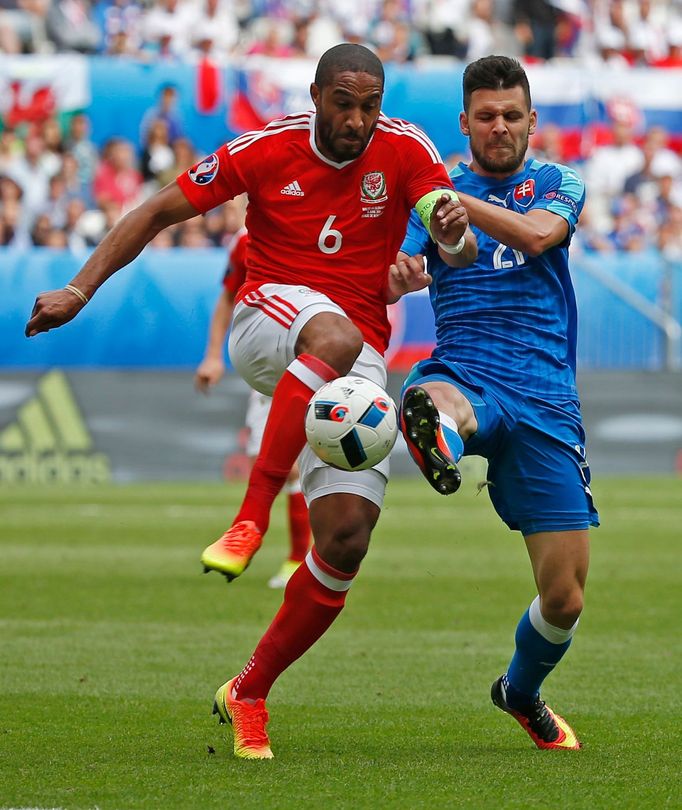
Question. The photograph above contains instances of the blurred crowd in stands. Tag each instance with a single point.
(58, 190)
(629, 31)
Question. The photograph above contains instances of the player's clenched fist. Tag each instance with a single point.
(449, 219)
(53, 309)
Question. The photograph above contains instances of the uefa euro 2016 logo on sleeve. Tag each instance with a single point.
(205, 170)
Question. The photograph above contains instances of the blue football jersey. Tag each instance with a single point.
(509, 317)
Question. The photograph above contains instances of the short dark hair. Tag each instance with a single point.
(347, 57)
(494, 73)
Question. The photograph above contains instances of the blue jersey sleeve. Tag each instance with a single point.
(416, 239)
(562, 192)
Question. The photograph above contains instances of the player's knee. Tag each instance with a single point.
(351, 550)
(343, 543)
(332, 338)
(562, 606)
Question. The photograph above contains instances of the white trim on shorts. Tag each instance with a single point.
(264, 331)
(325, 480)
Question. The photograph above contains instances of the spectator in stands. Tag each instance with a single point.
(670, 235)
(324, 32)
(486, 34)
(6, 231)
(673, 59)
(658, 160)
(157, 155)
(53, 145)
(166, 110)
(547, 145)
(406, 46)
(440, 21)
(10, 148)
(163, 240)
(10, 190)
(222, 223)
(15, 225)
(22, 26)
(218, 19)
(121, 24)
(668, 198)
(355, 16)
(192, 234)
(185, 157)
(611, 32)
(572, 20)
(647, 39)
(117, 180)
(95, 225)
(84, 151)
(629, 232)
(610, 165)
(57, 201)
(40, 230)
(72, 180)
(75, 209)
(118, 44)
(300, 38)
(71, 27)
(588, 236)
(391, 35)
(11, 219)
(57, 239)
(271, 39)
(166, 28)
(32, 175)
(535, 25)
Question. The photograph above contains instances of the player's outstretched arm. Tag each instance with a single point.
(408, 274)
(532, 233)
(119, 247)
(212, 367)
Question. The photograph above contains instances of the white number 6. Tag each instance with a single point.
(328, 232)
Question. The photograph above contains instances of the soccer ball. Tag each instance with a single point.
(351, 423)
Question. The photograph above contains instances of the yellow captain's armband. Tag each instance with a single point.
(426, 204)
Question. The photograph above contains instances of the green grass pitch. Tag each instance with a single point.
(112, 644)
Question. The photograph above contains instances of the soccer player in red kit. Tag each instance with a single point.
(211, 370)
(330, 193)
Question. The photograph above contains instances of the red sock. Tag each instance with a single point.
(299, 527)
(313, 598)
(284, 436)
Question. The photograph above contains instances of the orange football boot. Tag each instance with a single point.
(234, 551)
(248, 722)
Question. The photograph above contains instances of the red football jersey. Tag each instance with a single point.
(334, 227)
(235, 275)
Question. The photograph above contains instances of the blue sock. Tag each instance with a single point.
(453, 438)
(535, 656)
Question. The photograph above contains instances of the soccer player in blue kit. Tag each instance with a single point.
(501, 380)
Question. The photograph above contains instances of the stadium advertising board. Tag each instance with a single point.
(92, 427)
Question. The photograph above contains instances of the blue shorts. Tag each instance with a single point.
(538, 477)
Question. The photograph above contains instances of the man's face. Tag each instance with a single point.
(498, 124)
(347, 112)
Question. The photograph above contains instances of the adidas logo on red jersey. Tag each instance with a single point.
(293, 190)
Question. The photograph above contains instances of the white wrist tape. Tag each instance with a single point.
(453, 250)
